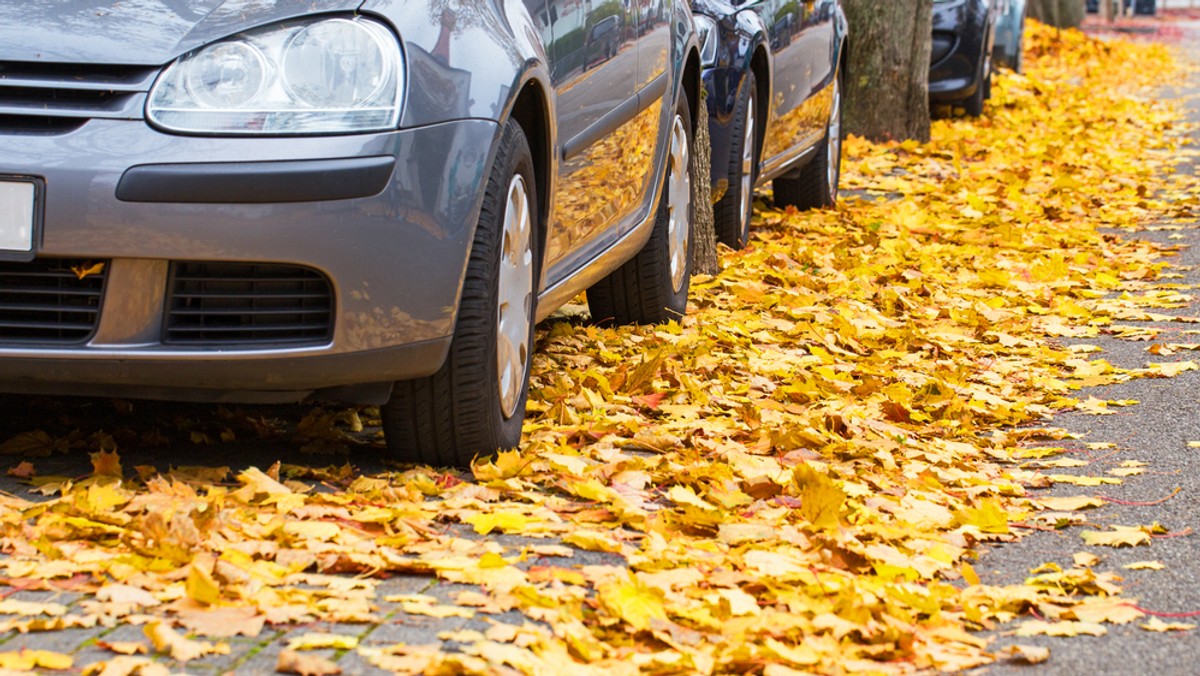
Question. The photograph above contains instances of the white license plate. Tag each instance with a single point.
(16, 215)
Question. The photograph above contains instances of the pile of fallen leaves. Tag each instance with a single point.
(794, 479)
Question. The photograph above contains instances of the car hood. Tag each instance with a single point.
(136, 32)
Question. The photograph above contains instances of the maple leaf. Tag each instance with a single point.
(22, 470)
(820, 498)
(1070, 503)
(179, 647)
(29, 660)
(87, 269)
(1064, 628)
(1119, 536)
(126, 665)
(508, 522)
(292, 662)
(123, 647)
(635, 603)
(1114, 611)
(200, 585)
(221, 622)
(1026, 653)
(1155, 624)
(33, 443)
(988, 517)
(317, 641)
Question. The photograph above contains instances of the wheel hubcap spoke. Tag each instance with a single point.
(747, 168)
(834, 144)
(515, 296)
(679, 192)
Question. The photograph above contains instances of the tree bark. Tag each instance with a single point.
(887, 75)
(1072, 13)
(704, 233)
(1059, 13)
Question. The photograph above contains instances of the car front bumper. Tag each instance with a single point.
(387, 218)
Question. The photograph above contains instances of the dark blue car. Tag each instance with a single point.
(771, 70)
(960, 62)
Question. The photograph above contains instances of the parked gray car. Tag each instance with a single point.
(364, 201)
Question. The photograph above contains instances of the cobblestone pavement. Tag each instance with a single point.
(258, 655)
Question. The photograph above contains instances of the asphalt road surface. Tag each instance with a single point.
(1155, 431)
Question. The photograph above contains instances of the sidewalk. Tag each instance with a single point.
(1157, 431)
(1171, 26)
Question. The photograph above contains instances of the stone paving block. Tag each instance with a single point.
(264, 661)
(128, 633)
(239, 651)
(412, 629)
(404, 584)
(353, 664)
(45, 596)
(60, 641)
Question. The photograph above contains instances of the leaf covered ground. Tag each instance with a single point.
(796, 479)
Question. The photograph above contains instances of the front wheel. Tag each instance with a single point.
(475, 403)
(983, 85)
(652, 287)
(732, 213)
(815, 186)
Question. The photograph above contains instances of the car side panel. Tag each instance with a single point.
(955, 76)
(594, 66)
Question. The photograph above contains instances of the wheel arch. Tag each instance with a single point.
(690, 84)
(531, 110)
(760, 65)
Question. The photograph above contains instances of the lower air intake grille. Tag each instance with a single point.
(50, 300)
(248, 303)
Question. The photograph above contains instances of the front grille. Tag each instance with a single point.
(54, 98)
(47, 301)
(247, 303)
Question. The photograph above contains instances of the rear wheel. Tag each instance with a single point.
(475, 403)
(652, 287)
(732, 213)
(983, 86)
(815, 186)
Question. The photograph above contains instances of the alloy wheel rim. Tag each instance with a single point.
(747, 168)
(834, 144)
(515, 286)
(679, 197)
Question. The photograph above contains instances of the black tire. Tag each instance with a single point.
(642, 290)
(983, 78)
(731, 215)
(987, 80)
(813, 186)
(456, 414)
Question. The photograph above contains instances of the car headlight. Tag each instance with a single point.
(329, 76)
(706, 35)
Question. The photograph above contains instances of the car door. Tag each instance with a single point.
(801, 43)
(654, 58)
(594, 70)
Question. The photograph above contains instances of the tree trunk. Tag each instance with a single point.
(1072, 13)
(704, 233)
(1059, 13)
(887, 76)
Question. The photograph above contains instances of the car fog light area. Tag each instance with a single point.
(329, 76)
